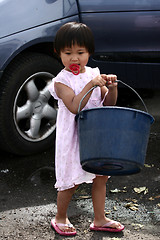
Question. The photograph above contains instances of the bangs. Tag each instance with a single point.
(74, 33)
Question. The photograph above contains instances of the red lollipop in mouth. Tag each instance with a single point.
(74, 68)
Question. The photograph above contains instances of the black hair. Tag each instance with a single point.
(74, 33)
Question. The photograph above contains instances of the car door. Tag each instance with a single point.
(127, 37)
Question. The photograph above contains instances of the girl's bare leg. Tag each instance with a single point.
(98, 198)
(63, 200)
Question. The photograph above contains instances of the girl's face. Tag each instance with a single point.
(75, 55)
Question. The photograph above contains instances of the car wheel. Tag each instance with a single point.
(27, 110)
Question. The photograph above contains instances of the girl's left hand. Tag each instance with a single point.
(111, 79)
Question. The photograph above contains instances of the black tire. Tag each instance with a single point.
(27, 111)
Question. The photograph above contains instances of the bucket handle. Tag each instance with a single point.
(121, 83)
(135, 93)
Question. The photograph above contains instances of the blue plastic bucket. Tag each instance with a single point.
(113, 140)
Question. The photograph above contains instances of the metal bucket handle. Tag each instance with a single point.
(115, 81)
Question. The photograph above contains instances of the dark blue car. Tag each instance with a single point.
(127, 38)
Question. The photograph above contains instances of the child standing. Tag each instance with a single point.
(74, 44)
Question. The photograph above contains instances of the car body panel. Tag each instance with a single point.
(128, 26)
(20, 15)
(117, 5)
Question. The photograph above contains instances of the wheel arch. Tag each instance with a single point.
(45, 47)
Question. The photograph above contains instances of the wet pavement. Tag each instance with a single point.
(28, 199)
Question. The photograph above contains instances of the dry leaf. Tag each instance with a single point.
(157, 196)
(84, 197)
(147, 165)
(118, 190)
(132, 206)
(115, 190)
(141, 189)
(115, 238)
(137, 226)
(114, 208)
(146, 191)
(151, 199)
(107, 213)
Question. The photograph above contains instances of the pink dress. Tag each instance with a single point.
(67, 160)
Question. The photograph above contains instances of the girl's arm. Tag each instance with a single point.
(71, 100)
(112, 95)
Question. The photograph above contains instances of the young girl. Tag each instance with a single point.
(74, 44)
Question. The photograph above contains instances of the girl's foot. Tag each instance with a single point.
(65, 229)
(107, 225)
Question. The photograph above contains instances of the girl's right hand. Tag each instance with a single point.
(98, 81)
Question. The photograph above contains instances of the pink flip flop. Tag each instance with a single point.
(106, 227)
(58, 230)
